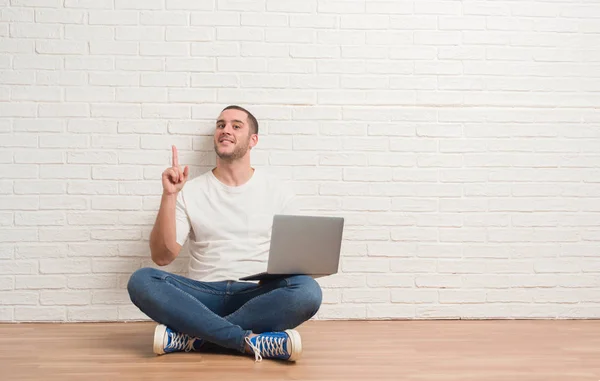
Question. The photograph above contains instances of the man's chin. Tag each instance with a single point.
(226, 155)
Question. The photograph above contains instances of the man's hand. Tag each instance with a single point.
(174, 178)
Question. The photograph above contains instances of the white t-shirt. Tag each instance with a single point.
(228, 227)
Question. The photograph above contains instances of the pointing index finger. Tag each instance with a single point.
(175, 158)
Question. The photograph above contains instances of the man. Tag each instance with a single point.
(226, 214)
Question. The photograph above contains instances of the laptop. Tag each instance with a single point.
(303, 245)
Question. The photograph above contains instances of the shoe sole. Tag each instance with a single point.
(296, 344)
(159, 339)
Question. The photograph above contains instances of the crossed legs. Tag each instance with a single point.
(224, 313)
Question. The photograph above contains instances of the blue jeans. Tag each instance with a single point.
(225, 312)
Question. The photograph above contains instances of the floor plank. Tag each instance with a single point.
(333, 350)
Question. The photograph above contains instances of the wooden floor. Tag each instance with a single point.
(404, 350)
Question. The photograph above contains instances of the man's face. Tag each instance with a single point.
(233, 137)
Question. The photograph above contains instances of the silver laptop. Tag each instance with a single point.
(303, 245)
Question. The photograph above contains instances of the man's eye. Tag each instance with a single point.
(236, 127)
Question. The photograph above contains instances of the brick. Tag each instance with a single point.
(18, 267)
(440, 161)
(66, 298)
(377, 265)
(214, 80)
(116, 234)
(111, 297)
(63, 235)
(65, 266)
(115, 265)
(92, 188)
(43, 314)
(366, 204)
(397, 311)
(89, 4)
(139, 64)
(18, 203)
(342, 159)
(415, 296)
(120, 18)
(19, 77)
(7, 251)
(147, 127)
(17, 110)
(139, 4)
(16, 14)
(120, 141)
(92, 126)
(391, 280)
(23, 30)
(170, 111)
(6, 218)
(40, 282)
(60, 47)
(462, 235)
(39, 218)
(18, 171)
(107, 47)
(87, 94)
(344, 189)
(67, 78)
(6, 187)
(31, 251)
(136, 249)
(438, 281)
(59, 16)
(63, 110)
(88, 33)
(414, 205)
(6, 283)
(413, 145)
(92, 314)
(18, 298)
(91, 281)
(92, 157)
(116, 203)
(164, 49)
(365, 296)
(334, 312)
(65, 171)
(116, 111)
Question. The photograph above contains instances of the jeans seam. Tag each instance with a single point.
(168, 278)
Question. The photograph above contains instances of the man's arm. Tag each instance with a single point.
(163, 238)
(163, 242)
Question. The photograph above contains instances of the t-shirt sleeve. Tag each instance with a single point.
(182, 222)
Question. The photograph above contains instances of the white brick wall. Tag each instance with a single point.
(460, 139)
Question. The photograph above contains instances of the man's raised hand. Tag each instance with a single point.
(174, 178)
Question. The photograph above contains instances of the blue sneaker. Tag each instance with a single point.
(166, 341)
(285, 345)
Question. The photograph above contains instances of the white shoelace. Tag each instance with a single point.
(181, 341)
(267, 346)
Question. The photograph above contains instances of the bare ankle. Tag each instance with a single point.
(247, 347)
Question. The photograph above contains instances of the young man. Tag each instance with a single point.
(226, 215)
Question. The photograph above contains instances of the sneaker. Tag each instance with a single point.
(166, 341)
(285, 345)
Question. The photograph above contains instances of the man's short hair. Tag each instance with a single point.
(251, 118)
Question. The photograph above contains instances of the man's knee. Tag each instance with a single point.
(309, 292)
(139, 282)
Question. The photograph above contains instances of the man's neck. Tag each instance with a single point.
(233, 173)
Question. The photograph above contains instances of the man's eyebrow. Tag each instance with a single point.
(235, 120)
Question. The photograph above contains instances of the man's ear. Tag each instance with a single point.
(253, 140)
